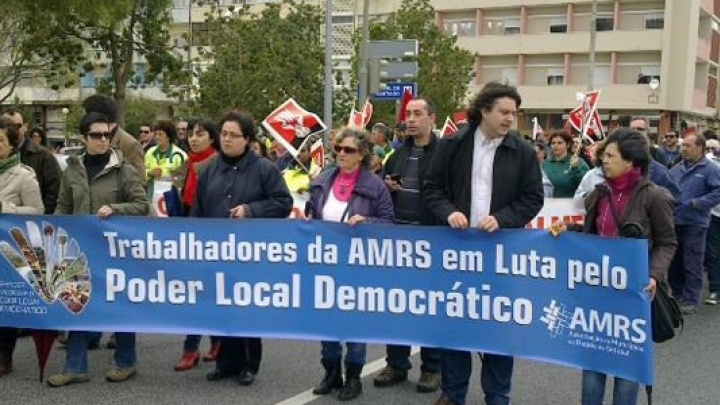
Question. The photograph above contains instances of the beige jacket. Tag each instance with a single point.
(20, 191)
(132, 151)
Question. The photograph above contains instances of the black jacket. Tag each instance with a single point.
(517, 192)
(252, 181)
(398, 161)
(47, 170)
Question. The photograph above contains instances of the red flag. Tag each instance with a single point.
(586, 119)
(360, 119)
(406, 98)
(291, 125)
(537, 129)
(449, 129)
(460, 117)
(317, 152)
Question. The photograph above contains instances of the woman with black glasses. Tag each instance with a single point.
(97, 181)
(353, 194)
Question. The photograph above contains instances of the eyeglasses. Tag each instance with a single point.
(349, 150)
(142, 131)
(670, 136)
(99, 135)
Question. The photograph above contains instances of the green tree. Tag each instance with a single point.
(125, 30)
(261, 60)
(444, 68)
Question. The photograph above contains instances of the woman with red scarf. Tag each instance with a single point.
(628, 205)
(204, 141)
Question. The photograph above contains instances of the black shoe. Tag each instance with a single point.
(332, 379)
(353, 384)
(218, 375)
(246, 377)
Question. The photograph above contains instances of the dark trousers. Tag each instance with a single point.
(495, 376)
(8, 338)
(686, 270)
(398, 357)
(238, 354)
(712, 254)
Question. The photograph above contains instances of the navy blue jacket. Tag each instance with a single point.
(660, 176)
(252, 181)
(700, 187)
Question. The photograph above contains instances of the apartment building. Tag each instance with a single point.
(543, 46)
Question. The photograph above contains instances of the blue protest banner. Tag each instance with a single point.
(575, 300)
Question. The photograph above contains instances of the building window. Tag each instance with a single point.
(460, 28)
(604, 24)
(558, 25)
(555, 77)
(509, 75)
(200, 34)
(512, 27)
(654, 21)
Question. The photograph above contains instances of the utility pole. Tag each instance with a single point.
(363, 69)
(328, 110)
(591, 52)
(189, 52)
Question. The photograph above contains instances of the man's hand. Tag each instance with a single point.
(238, 212)
(156, 172)
(356, 219)
(391, 184)
(489, 224)
(458, 220)
(104, 212)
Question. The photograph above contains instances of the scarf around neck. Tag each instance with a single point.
(188, 194)
(9, 162)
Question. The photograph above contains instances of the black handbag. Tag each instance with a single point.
(665, 315)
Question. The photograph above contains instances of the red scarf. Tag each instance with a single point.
(621, 189)
(188, 194)
(344, 184)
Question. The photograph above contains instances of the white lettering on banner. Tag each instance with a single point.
(390, 253)
(454, 304)
(261, 294)
(319, 253)
(617, 326)
(566, 209)
(599, 275)
(186, 246)
(463, 260)
(529, 264)
(155, 290)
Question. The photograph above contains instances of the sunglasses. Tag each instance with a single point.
(99, 135)
(145, 132)
(349, 150)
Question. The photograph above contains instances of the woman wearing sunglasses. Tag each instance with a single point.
(97, 181)
(353, 194)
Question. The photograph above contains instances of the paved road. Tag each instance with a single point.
(688, 373)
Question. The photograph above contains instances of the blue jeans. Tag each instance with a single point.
(76, 359)
(356, 352)
(712, 254)
(625, 392)
(398, 357)
(686, 270)
(495, 376)
(192, 342)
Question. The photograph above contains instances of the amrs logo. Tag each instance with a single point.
(559, 319)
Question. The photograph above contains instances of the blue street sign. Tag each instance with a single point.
(394, 91)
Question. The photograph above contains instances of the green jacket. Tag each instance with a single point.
(565, 179)
(117, 185)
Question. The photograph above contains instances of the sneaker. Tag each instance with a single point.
(429, 382)
(120, 374)
(390, 376)
(688, 309)
(712, 299)
(63, 379)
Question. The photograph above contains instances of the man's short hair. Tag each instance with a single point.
(431, 108)
(102, 104)
(383, 129)
(11, 111)
(486, 98)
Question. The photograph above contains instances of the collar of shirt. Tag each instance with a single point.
(484, 141)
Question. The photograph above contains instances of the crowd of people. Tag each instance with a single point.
(485, 176)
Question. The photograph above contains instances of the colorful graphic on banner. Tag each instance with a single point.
(575, 300)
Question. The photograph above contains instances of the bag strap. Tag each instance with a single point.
(613, 209)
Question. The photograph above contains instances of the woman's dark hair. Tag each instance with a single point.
(599, 150)
(633, 147)
(211, 128)
(100, 103)
(561, 134)
(363, 142)
(13, 135)
(244, 120)
(485, 100)
(43, 136)
(92, 118)
(540, 145)
(263, 147)
(168, 127)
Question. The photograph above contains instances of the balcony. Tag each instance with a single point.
(703, 50)
(615, 97)
(573, 42)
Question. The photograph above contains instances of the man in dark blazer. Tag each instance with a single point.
(488, 178)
